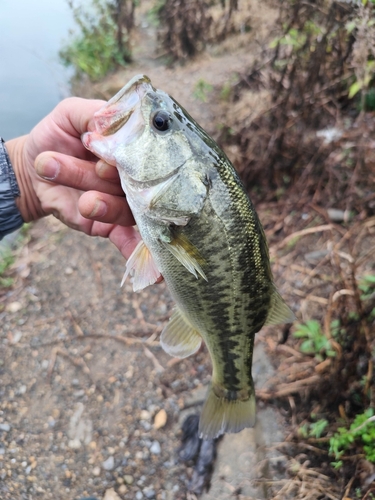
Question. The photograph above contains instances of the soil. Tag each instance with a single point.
(90, 405)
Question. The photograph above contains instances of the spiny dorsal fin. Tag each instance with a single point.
(186, 253)
(279, 311)
(142, 265)
(179, 339)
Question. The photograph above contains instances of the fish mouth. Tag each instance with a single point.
(116, 113)
(119, 121)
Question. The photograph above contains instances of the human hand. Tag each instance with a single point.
(66, 181)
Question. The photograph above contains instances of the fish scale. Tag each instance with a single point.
(201, 232)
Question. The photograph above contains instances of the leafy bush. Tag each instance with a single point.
(361, 431)
(315, 342)
(102, 44)
(320, 72)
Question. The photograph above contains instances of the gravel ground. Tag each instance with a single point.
(89, 400)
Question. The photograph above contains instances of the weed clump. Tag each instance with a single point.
(102, 44)
(312, 131)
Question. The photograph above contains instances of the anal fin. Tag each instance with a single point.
(142, 265)
(279, 312)
(178, 338)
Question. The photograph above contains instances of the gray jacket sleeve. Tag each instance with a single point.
(10, 216)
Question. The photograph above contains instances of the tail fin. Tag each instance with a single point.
(220, 415)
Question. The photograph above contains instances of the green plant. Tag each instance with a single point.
(313, 429)
(362, 28)
(315, 342)
(202, 89)
(367, 286)
(362, 431)
(6, 260)
(103, 40)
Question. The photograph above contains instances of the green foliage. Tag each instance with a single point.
(154, 14)
(202, 89)
(313, 429)
(315, 342)
(96, 50)
(361, 431)
(362, 29)
(6, 260)
(367, 286)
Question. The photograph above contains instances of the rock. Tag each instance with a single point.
(155, 448)
(149, 493)
(96, 471)
(160, 419)
(16, 337)
(139, 495)
(128, 479)
(109, 464)
(111, 495)
(80, 428)
(74, 444)
(145, 415)
(5, 427)
(122, 489)
(13, 307)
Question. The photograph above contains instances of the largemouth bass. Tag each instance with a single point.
(200, 232)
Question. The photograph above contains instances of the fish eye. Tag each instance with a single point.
(161, 121)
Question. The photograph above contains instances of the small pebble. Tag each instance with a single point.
(96, 471)
(111, 495)
(155, 448)
(128, 479)
(109, 464)
(149, 493)
(139, 495)
(145, 415)
(5, 427)
(14, 307)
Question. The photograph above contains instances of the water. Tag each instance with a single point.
(32, 81)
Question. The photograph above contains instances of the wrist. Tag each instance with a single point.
(28, 203)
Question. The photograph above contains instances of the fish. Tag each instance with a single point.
(201, 233)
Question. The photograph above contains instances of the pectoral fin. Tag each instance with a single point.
(186, 253)
(142, 265)
(279, 312)
(179, 339)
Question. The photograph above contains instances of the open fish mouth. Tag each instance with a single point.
(120, 121)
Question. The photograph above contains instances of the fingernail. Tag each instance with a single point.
(106, 171)
(99, 210)
(48, 169)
